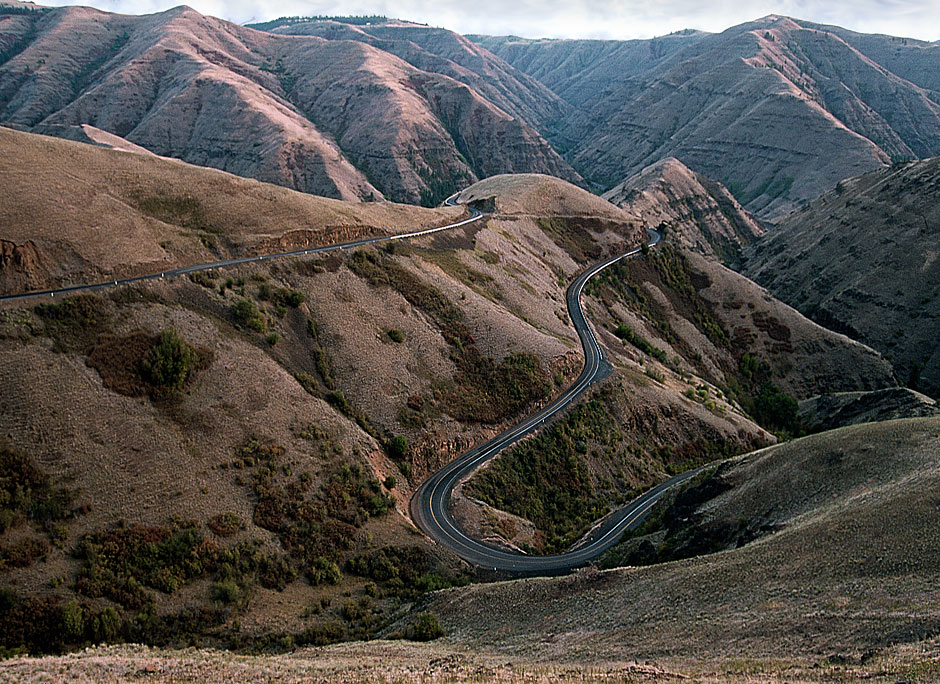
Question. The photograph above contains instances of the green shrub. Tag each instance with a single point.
(226, 592)
(170, 363)
(247, 313)
(426, 628)
(73, 621)
(777, 410)
(627, 334)
(226, 524)
(390, 482)
(276, 572)
(272, 339)
(396, 336)
(106, 626)
(324, 571)
(397, 447)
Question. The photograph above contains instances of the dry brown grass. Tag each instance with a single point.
(384, 662)
(95, 213)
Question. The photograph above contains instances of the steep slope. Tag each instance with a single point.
(257, 433)
(444, 52)
(669, 196)
(911, 59)
(696, 346)
(577, 69)
(862, 260)
(336, 118)
(775, 109)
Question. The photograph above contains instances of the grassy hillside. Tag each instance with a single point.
(843, 569)
(228, 456)
(862, 259)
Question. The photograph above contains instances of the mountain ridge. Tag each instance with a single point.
(332, 117)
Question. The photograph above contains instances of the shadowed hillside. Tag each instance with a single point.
(862, 260)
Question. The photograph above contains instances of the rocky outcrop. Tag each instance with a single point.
(21, 266)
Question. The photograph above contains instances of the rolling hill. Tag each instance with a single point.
(310, 423)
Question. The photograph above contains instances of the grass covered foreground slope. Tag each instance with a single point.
(862, 259)
(845, 571)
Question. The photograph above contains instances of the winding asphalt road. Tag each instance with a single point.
(430, 505)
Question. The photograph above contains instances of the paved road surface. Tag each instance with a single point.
(430, 506)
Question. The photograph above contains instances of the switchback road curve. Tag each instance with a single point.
(430, 505)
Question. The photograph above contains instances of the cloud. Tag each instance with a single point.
(581, 18)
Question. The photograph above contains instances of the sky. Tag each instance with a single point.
(619, 19)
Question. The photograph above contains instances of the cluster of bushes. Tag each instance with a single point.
(28, 494)
(74, 323)
(46, 625)
(627, 334)
(544, 480)
(123, 563)
(280, 296)
(315, 525)
(247, 313)
(675, 273)
(765, 402)
(488, 392)
(22, 552)
(620, 280)
(120, 564)
(404, 571)
(572, 236)
(380, 271)
(670, 269)
(339, 401)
